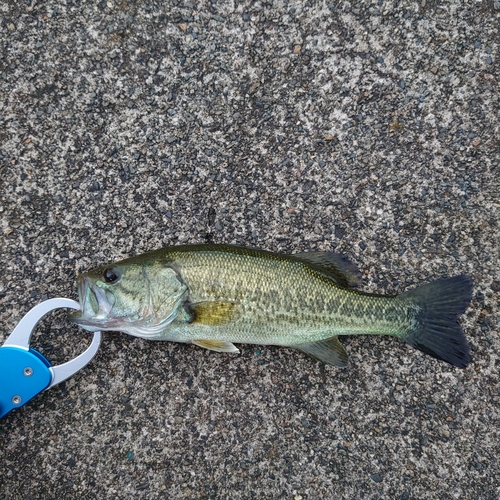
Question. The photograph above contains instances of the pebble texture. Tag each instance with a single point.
(368, 128)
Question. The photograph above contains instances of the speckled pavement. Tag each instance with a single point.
(368, 128)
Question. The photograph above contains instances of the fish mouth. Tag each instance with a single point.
(95, 306)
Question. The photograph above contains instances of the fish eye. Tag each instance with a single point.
(111, 275)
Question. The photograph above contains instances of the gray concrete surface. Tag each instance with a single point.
(369, 128)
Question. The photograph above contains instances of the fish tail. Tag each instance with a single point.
(434, 328)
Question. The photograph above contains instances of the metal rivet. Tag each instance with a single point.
(16, 400)
(28, 371)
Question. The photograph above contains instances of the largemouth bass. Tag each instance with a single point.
(217, 295)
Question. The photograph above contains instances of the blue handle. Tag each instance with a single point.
(23, 374)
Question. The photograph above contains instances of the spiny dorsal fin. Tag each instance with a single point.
(213, 313)
(334, 265)
(216, 345)
(329, 351)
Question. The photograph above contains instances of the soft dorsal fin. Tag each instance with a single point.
(334, 265)
(329, 351)
(213, 313)
(216, 345)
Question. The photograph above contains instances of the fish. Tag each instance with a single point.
(215, 296)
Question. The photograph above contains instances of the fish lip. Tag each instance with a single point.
(94, 306)
(82, 284)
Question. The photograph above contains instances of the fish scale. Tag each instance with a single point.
(283, 301)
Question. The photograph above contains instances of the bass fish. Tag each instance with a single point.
(216, 295)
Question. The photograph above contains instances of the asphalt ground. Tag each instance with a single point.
(367, 128)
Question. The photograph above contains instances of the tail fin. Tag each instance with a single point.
(435, 329)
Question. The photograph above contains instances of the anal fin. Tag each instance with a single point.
(329, 351)
(216, 345)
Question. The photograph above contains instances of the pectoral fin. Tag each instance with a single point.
(216, 345)
(329, 351)
(213, 313)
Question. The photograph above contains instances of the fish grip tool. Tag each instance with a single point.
(24, 372)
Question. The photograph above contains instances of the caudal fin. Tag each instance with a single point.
(436, 308)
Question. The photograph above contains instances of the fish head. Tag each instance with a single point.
(138, 299)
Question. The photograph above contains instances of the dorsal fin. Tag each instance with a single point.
(334, 265)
